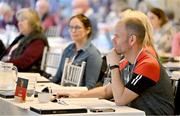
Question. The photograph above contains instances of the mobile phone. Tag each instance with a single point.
(102, 110)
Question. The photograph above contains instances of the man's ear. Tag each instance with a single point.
(132, 40)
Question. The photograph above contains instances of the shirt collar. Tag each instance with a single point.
(141, 55)
(86, 46)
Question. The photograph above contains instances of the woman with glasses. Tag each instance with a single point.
(80, 50)
(26, 50)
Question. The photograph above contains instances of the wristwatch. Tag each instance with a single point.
(114, 66)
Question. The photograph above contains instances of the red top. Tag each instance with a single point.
(144, 73)
(31, 54)
(146, 65)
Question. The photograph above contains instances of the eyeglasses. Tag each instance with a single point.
(76, 28)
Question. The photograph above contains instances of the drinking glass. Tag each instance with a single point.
(31, 88)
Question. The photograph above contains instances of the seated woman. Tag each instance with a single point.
(162, 30)
(26, 50)
(81, 50)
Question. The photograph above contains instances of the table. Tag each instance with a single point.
(172, 66)
(9, 109)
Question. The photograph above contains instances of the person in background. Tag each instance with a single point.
(43, 9)
(162, 30)
(26, 50)
(175, 51)
(81, 50)
(82, 7)
(8, 17)
(147, 86)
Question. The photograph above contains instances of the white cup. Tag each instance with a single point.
(44, 97)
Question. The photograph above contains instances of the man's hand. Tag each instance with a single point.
(113, 58)
(68, 95)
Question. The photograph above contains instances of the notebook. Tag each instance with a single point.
(55, 108)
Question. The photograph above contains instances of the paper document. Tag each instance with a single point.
(58, 88)
(37, 75)
(89, 102)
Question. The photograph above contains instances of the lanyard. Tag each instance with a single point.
(130, 72)
(74, 57)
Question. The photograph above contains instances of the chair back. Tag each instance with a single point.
(51, 60)
(72, 74)
(53, 31)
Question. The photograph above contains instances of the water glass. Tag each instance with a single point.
(31, 88)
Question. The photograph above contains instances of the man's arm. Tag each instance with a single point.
(103, 92)
(121, 94)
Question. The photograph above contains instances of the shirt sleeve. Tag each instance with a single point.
(31, 54)
(139, 83)
(145, 75)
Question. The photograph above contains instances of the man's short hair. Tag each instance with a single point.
(135, 27)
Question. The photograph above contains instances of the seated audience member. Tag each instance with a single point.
(141, 82)
(26, 50)
(81, 50)
(176, 45)
(162, 30)
(81, 7)
(8, 17)
(148, 40)
(47, 20)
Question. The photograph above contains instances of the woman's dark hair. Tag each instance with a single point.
(160, 14)
(85, 21)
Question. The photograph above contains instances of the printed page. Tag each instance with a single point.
(88, 102)
(58, 88)
(37, 75)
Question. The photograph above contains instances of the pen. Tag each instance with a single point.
(60, 101)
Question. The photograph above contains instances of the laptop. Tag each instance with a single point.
(55, 108)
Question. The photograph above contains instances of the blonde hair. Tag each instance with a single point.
(4, 7)
(148, 41)
(32, 17)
